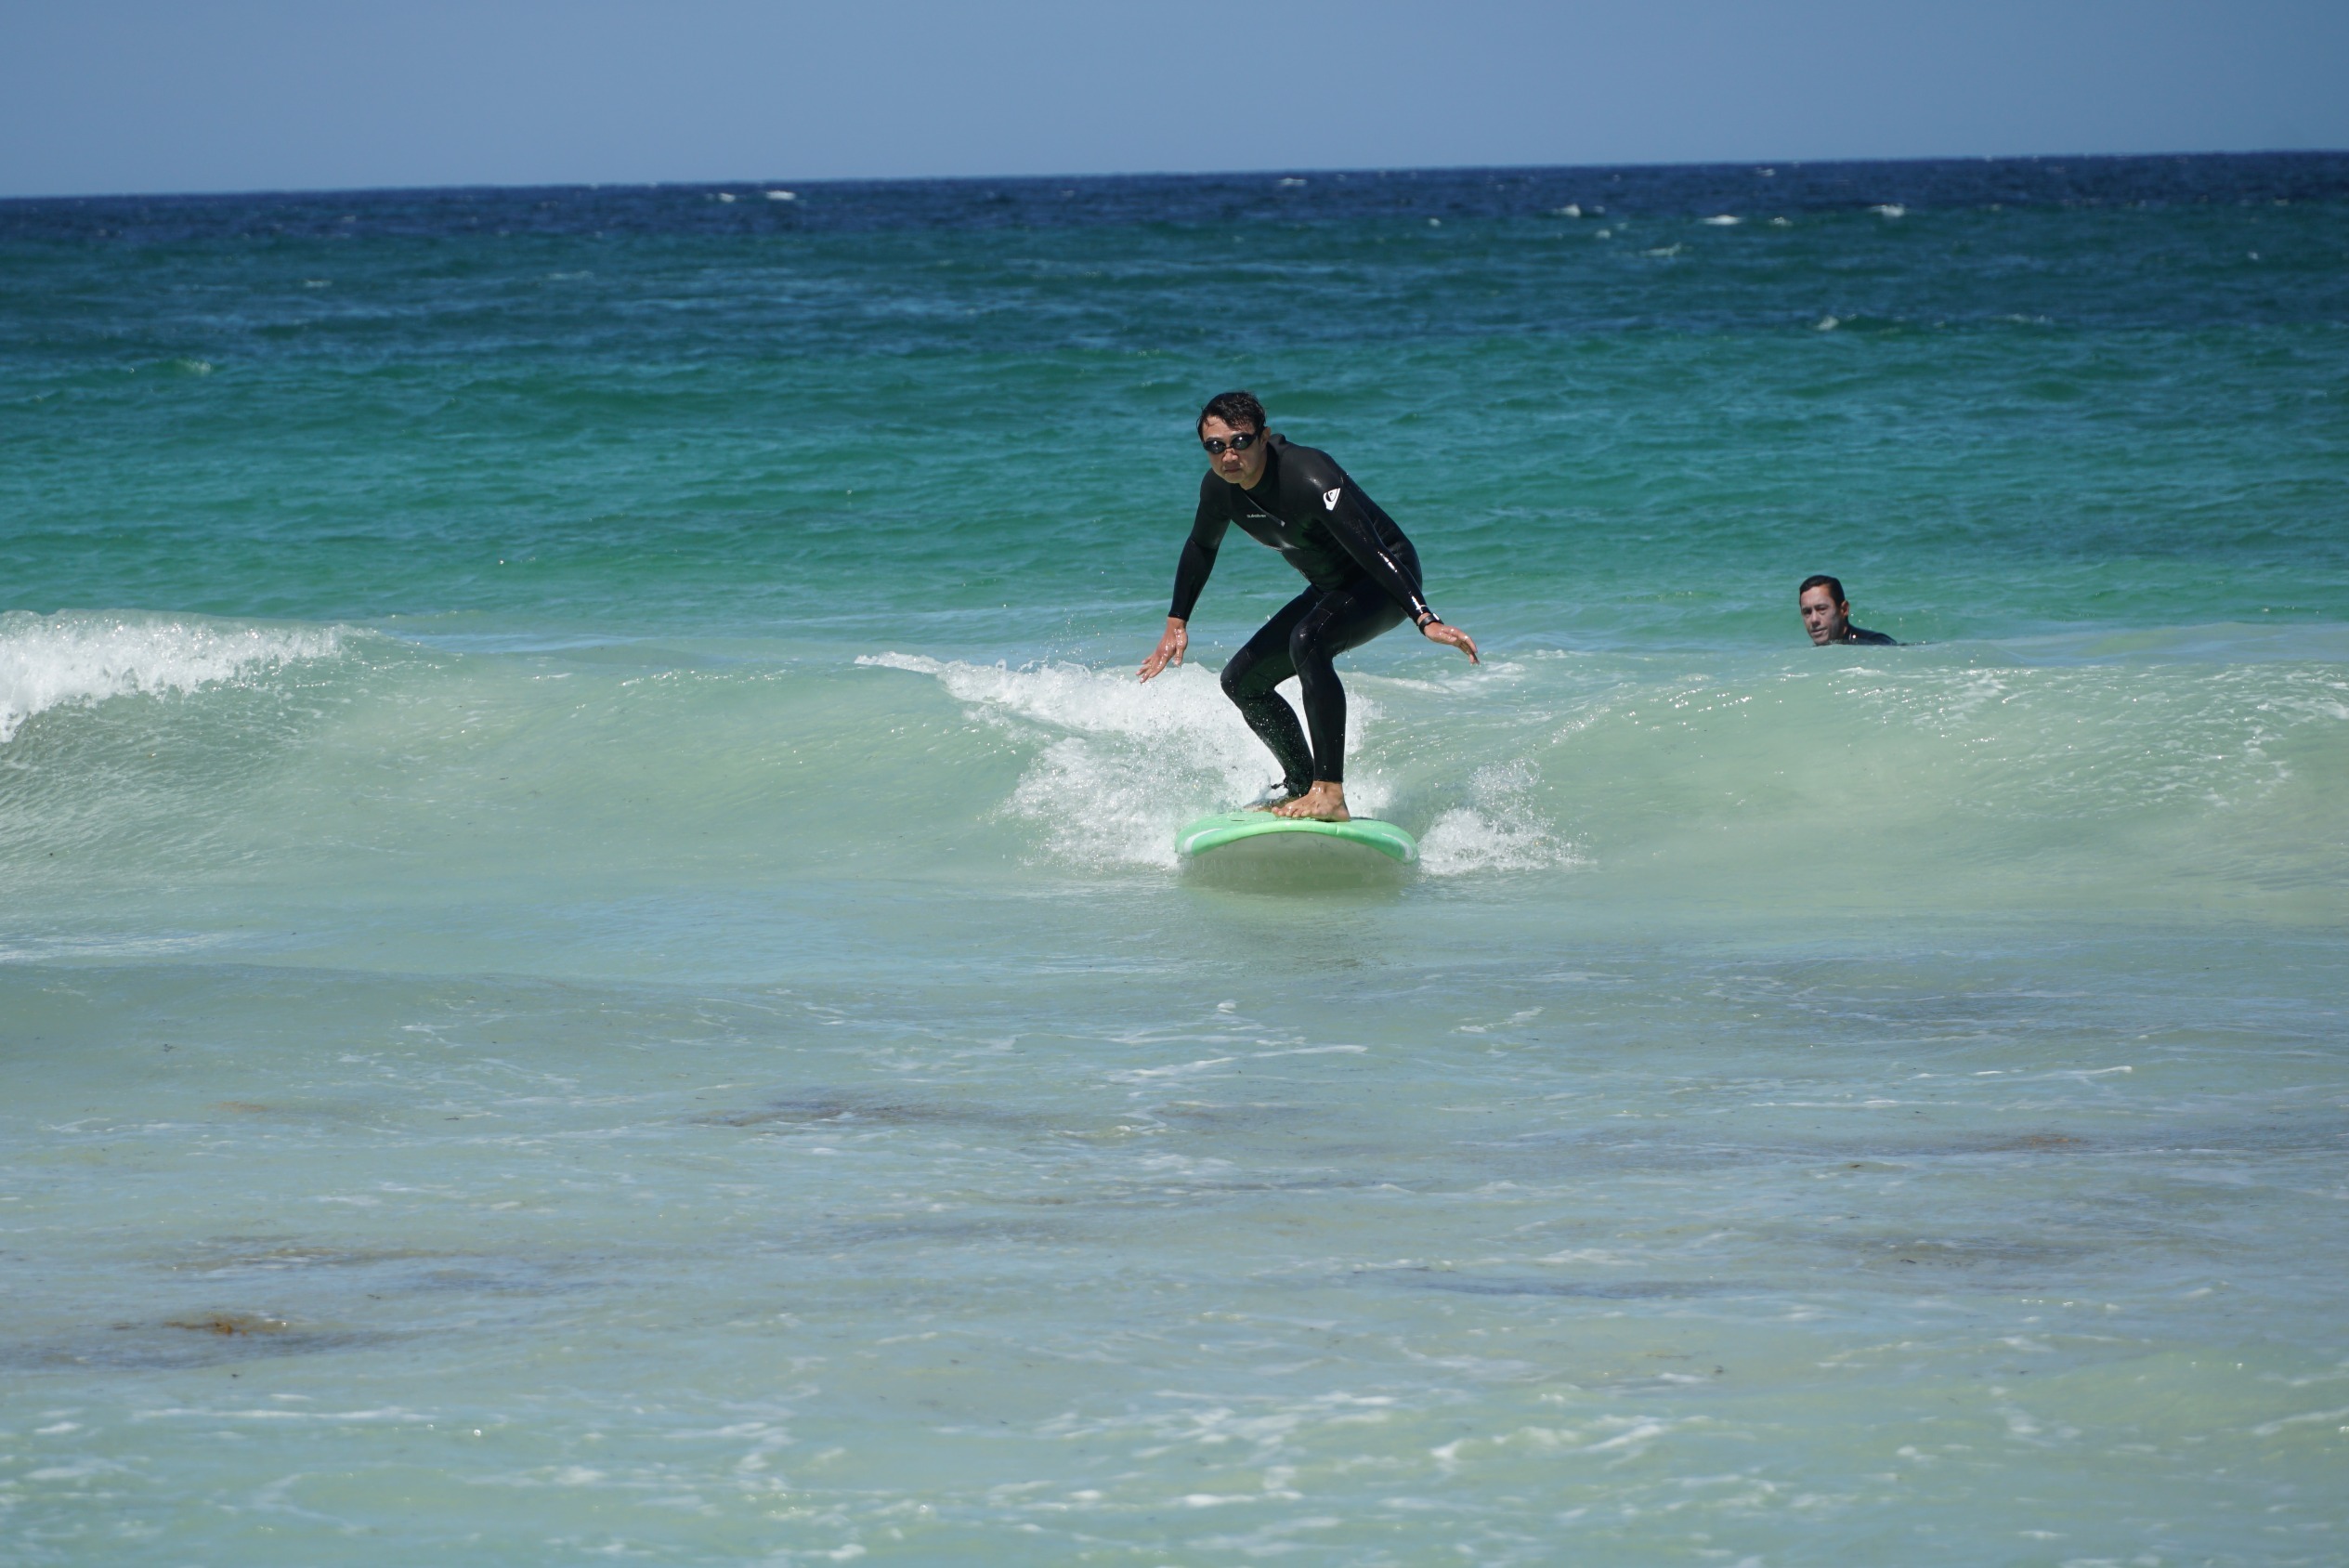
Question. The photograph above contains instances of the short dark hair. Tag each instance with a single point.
(1821, 580)
(1234, 409)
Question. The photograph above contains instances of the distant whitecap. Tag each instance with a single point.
(1782, 223)
(782, 195)
(725, 195)
(1889, 209)
(1724, 220)
(1290, 179)
(1568, 210)
(1825, 324)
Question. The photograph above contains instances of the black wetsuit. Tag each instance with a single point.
(1861, 634)
(1365, 580)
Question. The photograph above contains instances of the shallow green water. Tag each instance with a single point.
(592, 962)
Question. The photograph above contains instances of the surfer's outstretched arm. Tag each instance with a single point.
(1354, 521)
(1190, 576)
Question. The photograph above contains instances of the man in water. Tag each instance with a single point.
(1365, 577)
(1827, 618)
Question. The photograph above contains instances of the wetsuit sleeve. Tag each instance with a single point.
(1352, 528)
(1198, 552)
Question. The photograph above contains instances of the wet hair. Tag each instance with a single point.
(1821, 580)
(1235, 409)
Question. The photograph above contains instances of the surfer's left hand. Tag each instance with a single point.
(1437, 631)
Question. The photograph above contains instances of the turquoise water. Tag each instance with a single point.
(592, 964)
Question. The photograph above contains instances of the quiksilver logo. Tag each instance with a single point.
(1329, 499)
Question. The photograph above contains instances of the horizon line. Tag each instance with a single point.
(1286, 170)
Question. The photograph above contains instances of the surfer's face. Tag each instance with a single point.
(1240, 467)
(1822, 617)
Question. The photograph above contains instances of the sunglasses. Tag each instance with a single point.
(1241, 442)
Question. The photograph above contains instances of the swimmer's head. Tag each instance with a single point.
(1826, 615)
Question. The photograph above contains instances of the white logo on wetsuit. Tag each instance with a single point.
(1329, 499)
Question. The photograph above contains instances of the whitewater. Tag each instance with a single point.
(592, 960)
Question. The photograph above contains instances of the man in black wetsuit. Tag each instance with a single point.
(1365, 577)
(1827, 618)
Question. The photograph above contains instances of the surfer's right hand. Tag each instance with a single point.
(1170, 650)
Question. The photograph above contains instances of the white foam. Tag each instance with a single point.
(77, 658)
(1498, 831)
(1889, 209)
(782, 195)
(1724, 220)
(1127, 763)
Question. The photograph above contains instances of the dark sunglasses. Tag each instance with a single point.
(1241, 442)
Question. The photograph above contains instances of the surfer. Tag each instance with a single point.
(1363, 577)
(1828, 617)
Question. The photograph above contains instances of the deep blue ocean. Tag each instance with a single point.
(593, 963)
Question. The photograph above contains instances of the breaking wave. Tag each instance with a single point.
(1123, 764)
(78, 658)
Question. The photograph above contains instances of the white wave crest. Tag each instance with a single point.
(1129, 763)
(77, 658)
(1499, 830)
(1724, 220)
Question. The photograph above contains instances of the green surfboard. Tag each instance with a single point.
(1211, 834)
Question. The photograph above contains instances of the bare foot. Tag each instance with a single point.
(1324, 801)
(1274, 804)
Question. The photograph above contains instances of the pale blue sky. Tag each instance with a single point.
(239, 95)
